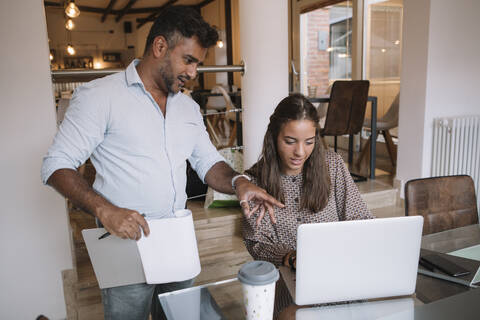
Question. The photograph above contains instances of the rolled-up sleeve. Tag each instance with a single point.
(81, 131)
(204, 154)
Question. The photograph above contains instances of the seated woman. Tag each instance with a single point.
(314, 184)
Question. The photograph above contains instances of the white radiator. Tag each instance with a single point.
(456, 148)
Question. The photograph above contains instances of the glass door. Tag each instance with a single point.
(382, 51)
(325, 47)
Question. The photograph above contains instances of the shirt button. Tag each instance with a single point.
(294, 179)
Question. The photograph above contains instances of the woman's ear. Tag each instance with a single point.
(159, 47)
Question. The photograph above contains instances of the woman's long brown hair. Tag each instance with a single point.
(316, 180)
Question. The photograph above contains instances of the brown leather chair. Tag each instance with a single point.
(444, 202)
(346, 112)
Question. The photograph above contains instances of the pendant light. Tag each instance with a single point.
(70, 49)
(69, 24)
(72, 10)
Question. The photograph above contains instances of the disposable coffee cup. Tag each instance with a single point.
(258, 284)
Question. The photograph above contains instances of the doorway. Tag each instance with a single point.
(325, 47)
(349, 39)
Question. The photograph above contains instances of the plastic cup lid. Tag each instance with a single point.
(258, 273)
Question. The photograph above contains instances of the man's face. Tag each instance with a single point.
(180, 63)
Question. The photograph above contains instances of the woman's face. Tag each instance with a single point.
(295, 143)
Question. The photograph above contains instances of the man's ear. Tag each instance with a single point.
(159, 47)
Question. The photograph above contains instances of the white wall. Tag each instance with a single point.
(34, 237)
(413, 88)
(440, 75)
(264, 48)
(453, 65)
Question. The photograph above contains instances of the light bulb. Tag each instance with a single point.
(72, 10)
(51, 57)
(70, 50)
(69, 24)
(98, 65)
(220, 43)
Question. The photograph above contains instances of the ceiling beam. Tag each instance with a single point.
(144, 10)
(82, 8)
(203, 3)
(108, 9)
(125, 9)
(102, 10)
(154, 15)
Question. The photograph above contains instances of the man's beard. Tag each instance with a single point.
(167, 75)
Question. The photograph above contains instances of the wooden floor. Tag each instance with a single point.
(220, 244)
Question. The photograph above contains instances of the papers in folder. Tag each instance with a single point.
(168, 254)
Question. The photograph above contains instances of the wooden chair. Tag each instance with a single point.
(215, 119)
(445, 202)
(230, 116)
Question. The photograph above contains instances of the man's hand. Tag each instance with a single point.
(247, 191)
(219, 177)
(123, 223)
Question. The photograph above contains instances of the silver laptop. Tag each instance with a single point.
(116, 261)
(356, 260)
(390, 309)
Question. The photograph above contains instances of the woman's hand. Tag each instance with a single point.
(290, 260)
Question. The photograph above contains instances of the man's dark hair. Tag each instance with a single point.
(184, 21)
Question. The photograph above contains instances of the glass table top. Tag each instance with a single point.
(224, 300)
(218, 300)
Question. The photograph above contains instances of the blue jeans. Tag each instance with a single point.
(136, 301)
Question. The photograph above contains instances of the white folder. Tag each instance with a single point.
(168, 254)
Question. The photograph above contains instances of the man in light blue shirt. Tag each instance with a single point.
(139, 130)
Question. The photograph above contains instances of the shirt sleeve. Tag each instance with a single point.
(262, 242)
(204, 154)
(81, 131)
(350, 205)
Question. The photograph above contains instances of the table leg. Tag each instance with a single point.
(239, 129)
(373, 136)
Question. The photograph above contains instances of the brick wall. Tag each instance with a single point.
(317, 61)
